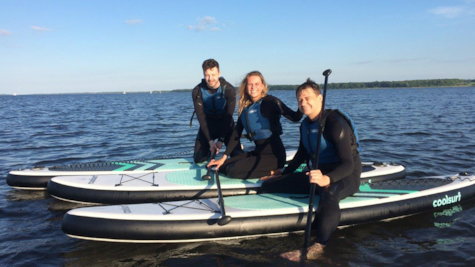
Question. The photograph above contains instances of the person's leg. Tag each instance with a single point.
(249, 165)
(238, 149)
(201, 152)
(292, 183)
(328, 214)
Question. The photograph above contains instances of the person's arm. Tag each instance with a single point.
(200, 111)
(230, 95)
(272, 108)
(234, 139)
(339, 132)
(285, 111)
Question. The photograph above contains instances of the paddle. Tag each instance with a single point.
(308, 228)
(224, 219)
(207, 176)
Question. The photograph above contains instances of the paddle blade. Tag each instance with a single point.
(206, 177)
(224, 220)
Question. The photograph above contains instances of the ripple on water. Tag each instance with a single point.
(395, 125)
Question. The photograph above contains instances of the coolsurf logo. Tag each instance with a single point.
(252, 111)
(314, 131)
(447, 200)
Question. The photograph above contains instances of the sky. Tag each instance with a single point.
(108, 46)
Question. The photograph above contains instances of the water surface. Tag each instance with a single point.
(430, 131)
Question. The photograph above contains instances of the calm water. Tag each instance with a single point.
(430, 131)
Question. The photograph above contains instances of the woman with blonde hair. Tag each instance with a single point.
(259, 115)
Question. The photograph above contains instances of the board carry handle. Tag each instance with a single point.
(224, 218)
(315, 160)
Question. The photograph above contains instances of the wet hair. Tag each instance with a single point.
(310, 85)
(244, 99)
(209, 64)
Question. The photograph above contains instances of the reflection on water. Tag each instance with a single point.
(24, 195)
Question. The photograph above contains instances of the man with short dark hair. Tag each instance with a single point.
(339, 168)
(214, 100)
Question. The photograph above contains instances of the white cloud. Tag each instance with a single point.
(204, 24)
(5, 32)
(133, 21)
(448, 11)
(40, 29)
(207, 20)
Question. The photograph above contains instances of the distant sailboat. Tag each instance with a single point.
(123, 93)
(14, 94)
(150, 91)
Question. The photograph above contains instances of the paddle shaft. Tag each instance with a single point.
(207, 176)
(224, 219)
(315, 160)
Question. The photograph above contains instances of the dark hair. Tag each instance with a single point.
(209, 64)
(308, 84)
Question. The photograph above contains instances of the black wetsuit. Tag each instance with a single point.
(344, 176)
(269, 153)
(214, 126)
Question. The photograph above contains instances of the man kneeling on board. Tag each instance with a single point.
(339, 169)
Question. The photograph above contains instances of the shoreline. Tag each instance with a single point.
(189, 90)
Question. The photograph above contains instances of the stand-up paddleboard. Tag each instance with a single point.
(255, 215)
(37, 178)
(175, 185)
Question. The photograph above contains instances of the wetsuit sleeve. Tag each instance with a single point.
(282, 109)
(299, 158)
(230, 95)
(339, 132)
(200, 111)
(234, 140)
(272, 108)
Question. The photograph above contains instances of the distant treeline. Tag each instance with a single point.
(384, 84)
(399, 84)
(350, 85)
(377, 84)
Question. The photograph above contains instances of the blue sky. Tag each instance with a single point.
(98, 46)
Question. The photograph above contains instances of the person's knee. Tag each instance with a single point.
(199, 157)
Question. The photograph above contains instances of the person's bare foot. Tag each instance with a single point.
(294, 255)
(313, 253)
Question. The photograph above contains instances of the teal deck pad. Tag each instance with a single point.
(124, 167)
(278, 201)
(193, 178)
(269, 201)
(352, 199)
(366, 188)
(158, 164)
(174, 164)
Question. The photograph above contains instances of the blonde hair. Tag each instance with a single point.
(244, 99)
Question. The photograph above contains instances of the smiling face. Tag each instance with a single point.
(212, 77)
(310, 103)
(255, 88)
